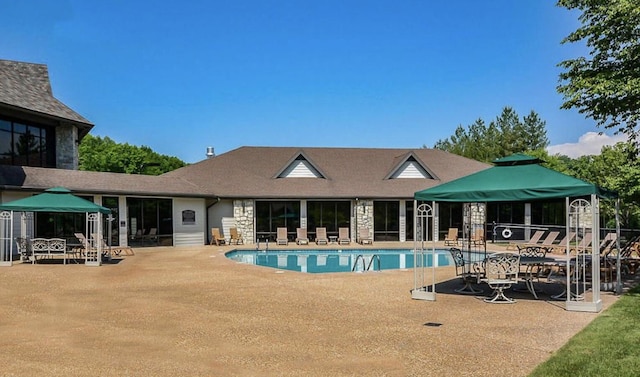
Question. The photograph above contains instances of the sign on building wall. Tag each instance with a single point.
(188, 217)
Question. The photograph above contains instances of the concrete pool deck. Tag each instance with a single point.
(190, 311)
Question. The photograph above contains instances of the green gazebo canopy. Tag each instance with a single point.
(57, 199)
(514, 178)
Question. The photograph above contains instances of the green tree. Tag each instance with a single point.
(104, 154)
(506, 135)
(617, 169)
(605, 85)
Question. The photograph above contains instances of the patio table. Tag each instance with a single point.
(530, 264)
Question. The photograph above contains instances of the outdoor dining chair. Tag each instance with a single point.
(501, 272)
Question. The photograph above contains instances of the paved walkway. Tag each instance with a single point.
(192, 312)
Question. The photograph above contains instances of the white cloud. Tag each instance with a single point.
(588, 144)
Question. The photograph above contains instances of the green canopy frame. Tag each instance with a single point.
(57, 199)
(520, 177)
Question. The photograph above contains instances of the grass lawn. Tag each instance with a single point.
(609, 346)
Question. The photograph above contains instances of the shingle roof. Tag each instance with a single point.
(249, 172)
(38, 179)
(26, 86)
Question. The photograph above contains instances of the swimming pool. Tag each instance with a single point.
(325, 261)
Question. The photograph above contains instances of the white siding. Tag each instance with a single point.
(188, 239)
(300, 169)
(189, 233)
(410, 169)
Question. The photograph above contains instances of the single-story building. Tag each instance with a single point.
(255, 189)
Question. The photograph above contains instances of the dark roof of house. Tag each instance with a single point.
(26, 86)
(39, 179)
(252, 172)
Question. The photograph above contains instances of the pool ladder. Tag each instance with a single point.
(365, 266)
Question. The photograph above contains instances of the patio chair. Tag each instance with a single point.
(281, 236)
(470, 273)
(301, 236)
(321, 236)
(501, 272)
(235, 237)
(24, 248)
(343, 236)
(451, 239)
(364, 237)
(216, 237)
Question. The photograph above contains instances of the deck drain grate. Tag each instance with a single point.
(433, 324)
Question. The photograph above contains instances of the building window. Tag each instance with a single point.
(386, 221)
(150, 221)
(26, 144)
(271, 215)
(331, 215)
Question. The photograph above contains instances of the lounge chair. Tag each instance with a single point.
(301, 236)
(153, 234)
(343, 236)
(478, 237)
(548, 242)
(321, 236)
(584, 243)
(364, 237)
(281, 236)
(451, 238)
(560, 247)
(234, 236)
(533, 241)
(216, 237)
(630, 255)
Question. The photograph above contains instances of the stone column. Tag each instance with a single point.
(67, 147)
(243, 210)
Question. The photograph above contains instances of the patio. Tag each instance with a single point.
(191, 311)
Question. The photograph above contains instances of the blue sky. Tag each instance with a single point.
(179, 76)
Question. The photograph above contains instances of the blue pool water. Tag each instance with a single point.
(325, 261)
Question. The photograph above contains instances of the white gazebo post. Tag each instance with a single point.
(422, 289)
(93, 255)
(583, 217)
(6, 238)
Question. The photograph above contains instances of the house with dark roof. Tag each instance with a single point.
(254, 189)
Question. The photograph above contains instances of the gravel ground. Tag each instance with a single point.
(192, 312)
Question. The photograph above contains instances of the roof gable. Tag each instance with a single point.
(410, 166)
(300, 166)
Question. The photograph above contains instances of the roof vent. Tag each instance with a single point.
(210, 152)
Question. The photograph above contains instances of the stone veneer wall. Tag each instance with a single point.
(243, 213)
(67, 147)
(364, 217)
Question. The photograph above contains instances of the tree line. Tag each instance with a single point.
(104, 154)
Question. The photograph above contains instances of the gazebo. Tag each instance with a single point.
(520, 177)
(57, 199)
